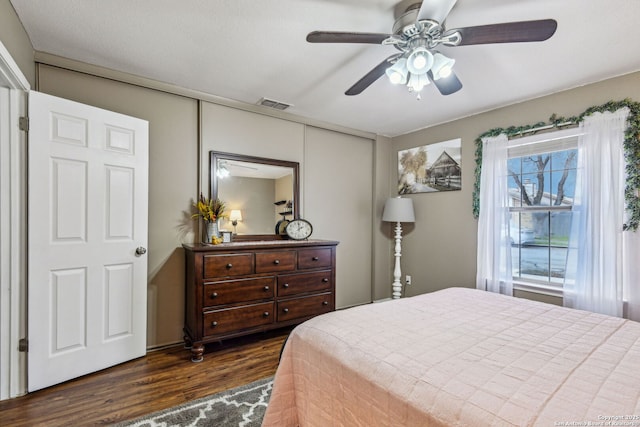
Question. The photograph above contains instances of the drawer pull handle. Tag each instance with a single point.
(214, 324)
(325, 280)
(325, 302)
(285, 310)
(315, 258)
(276, 262)
(266, 288)
(265, 314)
(229, 265)
(286, 285)
(214, 295)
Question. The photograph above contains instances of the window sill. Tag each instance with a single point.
(538, 288)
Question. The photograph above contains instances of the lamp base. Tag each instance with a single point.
(396, 286)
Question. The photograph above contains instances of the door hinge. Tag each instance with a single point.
(23, 345)
(24, 123)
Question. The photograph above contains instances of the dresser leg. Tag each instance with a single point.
(197, 350)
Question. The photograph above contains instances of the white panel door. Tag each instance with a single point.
(88, 185)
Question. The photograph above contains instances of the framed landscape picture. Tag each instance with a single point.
(430, 168)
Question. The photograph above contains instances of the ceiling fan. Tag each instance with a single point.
(418, 32)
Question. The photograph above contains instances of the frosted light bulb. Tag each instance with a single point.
(419, 62)
(395, 77)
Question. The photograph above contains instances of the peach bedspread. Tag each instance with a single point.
(458, 357)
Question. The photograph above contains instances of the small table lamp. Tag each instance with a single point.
(234, 217)
(398, 210)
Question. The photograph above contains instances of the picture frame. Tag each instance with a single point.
(227, 236)
(430, 168)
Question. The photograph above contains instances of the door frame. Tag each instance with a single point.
(13, 226)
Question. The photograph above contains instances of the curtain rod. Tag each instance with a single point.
(545, 127)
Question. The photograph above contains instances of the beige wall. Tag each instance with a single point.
(231, 130)
(440, 250)
(16, 40)
(344, 201)
(173, 181)
(382, 232)
(179, 170)
(335, 191)
(338, 186)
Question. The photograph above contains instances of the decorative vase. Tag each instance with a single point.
(210, 231)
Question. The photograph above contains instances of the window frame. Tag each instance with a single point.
(547, 142)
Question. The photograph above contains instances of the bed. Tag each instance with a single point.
(458, 357)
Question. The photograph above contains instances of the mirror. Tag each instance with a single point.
(263, 191)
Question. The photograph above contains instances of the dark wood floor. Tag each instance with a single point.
(162, 379)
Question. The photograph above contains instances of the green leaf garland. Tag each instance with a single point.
(631, 152)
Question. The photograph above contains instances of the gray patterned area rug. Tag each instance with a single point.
(242, 406)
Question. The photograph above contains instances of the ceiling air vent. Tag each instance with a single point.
(273, 104)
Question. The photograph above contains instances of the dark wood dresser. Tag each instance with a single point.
(239, 288)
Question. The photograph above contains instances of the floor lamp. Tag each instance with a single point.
(398, 210)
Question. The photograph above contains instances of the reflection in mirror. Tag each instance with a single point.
(264, 191)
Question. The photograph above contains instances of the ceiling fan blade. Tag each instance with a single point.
(437, 10)
(345, 37)
(371, 76)
(508, 32)
(447, 85)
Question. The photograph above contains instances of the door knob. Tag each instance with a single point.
(141, 251)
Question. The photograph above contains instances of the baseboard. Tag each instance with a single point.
(164, 346)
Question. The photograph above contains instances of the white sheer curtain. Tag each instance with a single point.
(494, 244)
(597, 256)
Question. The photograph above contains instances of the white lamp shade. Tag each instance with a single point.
(235, 215)
(442, 66)
(418, 81)
(397, 209)
(397, 73)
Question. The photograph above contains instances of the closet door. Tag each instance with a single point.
(338, 201)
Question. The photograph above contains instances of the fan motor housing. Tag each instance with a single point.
(407, 26)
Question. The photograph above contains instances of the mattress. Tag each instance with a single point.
(458, 357)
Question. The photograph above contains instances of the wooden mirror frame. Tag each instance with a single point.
(215, 156)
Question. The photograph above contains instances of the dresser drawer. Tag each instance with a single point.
(292, 284)
(238, 318)
(239, 290)
(268, 262)
(314, 258)
(304, 307)
(227, 265)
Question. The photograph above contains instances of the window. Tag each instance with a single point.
(541, 185)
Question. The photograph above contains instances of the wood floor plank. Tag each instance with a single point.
(160, 380)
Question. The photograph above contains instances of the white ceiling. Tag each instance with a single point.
(248, 49)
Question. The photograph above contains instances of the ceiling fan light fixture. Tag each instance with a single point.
(420, 60)
(442, 66)
(397, 73)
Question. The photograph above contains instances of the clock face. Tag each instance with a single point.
(299, 229)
